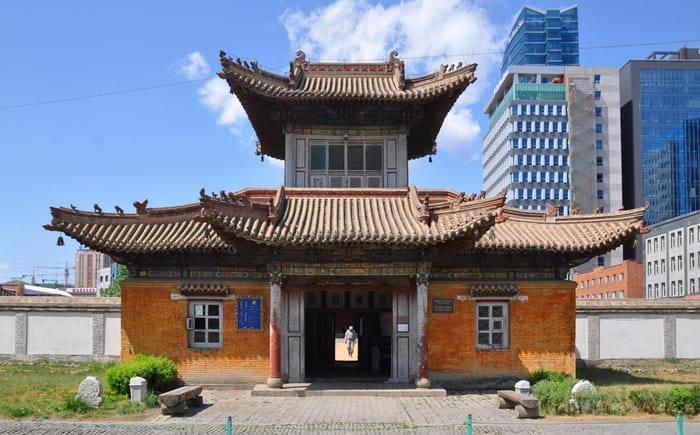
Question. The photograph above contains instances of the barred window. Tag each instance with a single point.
(204, 325)
(492, 325)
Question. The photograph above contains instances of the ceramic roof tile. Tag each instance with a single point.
(298, 217)
(161, 230)
(536, 231)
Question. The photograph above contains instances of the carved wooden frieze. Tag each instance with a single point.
(203, 289)
(504, 289)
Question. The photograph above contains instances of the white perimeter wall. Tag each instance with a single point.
(59, 334)
(113, 337)
(687, 336)
(637, 329)
(7, 332)
(629, 336)
(59, 328)
(581, 337)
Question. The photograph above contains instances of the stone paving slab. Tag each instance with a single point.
(347, 415)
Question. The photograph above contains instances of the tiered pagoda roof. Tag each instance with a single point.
(347, 95)
(307, 217)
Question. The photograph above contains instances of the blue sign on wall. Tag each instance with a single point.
(249, 313)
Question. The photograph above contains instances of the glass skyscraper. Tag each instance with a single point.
(660, 101)
(554, 126)
(543, 38)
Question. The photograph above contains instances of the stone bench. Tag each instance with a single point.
(524, 406)
(174, 402)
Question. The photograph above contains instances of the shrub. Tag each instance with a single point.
(550, 375)
(159, 371)
(76, 404)
(554, 395)
(644, 400)
(677, 399)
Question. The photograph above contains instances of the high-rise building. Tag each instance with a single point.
(543, 38)
(660, 115)
(554, 137)
(88, 264)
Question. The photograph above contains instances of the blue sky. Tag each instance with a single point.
(111, 102)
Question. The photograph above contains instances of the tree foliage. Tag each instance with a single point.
(115, 290)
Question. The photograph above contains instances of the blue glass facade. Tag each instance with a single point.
(543, 38)
(670, 138)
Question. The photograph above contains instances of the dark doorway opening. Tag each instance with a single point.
(328, 314)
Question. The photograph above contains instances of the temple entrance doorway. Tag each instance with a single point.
(328, 314)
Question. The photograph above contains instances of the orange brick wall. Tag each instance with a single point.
(152, 323)
(541, 332)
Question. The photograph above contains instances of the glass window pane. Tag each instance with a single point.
(213, 310)
(497, 325)
(213, 323)
(497, 338)
(483, 324)
(199, 337)
(318, 157)
(336, 157)
(199, 309)
(355, 158)
(199, 323)
(213, 337)
(497, 311)
(484, 338)
(483, 311)
(373, 156)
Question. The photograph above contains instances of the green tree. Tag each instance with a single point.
(115, 289)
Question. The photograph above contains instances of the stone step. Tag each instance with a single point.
(346, 389)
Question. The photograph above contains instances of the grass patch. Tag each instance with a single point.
(624, 388)
(43, 390)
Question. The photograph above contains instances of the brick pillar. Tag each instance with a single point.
(275, 379)
(422, 380)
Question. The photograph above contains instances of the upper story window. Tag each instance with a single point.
(346, 164)
(596, 79)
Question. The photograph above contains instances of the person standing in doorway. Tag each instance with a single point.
(350, 338)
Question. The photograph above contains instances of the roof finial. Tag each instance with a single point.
(300, 59)
(394, 56)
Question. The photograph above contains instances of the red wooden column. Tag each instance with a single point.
(422, 274)
(275, 379)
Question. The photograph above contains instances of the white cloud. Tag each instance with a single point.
(215, 95)
(4, 266)
(458, 130)
(194, 66)
(425, 32)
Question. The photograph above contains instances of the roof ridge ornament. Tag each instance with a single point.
(397, 64)
(296, 68)
(141, 207)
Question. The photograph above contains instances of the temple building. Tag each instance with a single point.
(259, 285)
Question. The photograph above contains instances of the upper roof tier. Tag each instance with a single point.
(346, 94)
(307, 217)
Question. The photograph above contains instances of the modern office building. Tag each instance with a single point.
(543, 38)
(660, 114)
(672, 258)
(554, 137)
(90, 268)
(619, 281)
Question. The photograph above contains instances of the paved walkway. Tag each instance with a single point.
(345, 415)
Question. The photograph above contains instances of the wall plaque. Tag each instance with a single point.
(249, 313)
(443, 305)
